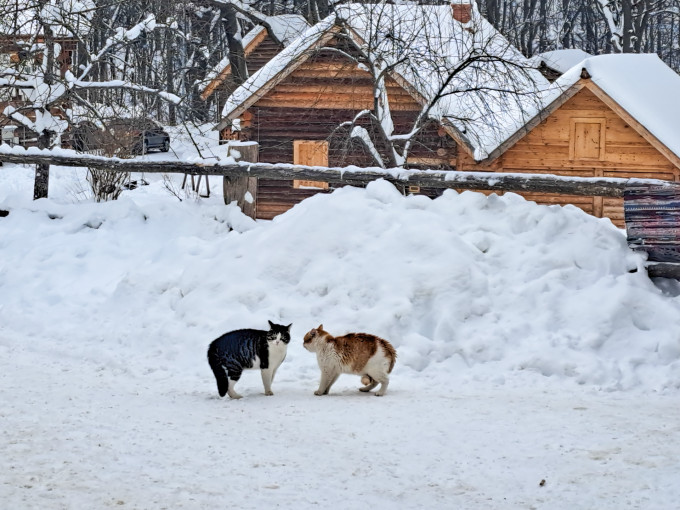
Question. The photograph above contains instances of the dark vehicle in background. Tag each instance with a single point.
(121, 136)
(141, 135)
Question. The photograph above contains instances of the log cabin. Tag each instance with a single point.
(302, 105)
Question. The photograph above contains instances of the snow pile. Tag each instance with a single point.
(492, 289)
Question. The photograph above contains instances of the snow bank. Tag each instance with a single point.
(467, 286)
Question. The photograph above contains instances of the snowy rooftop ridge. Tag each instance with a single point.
(561, 60)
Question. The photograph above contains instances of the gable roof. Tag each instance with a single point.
(640, 88)
(286, 28)
(423, 43)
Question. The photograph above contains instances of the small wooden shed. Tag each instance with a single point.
(609, 116)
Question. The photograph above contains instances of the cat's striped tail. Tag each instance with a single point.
(219, 371)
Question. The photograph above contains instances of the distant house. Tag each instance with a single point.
(612, 115)
(259, 48)
(14, 55)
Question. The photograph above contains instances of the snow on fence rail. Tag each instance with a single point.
(492, 181)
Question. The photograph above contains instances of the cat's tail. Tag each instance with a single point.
(218, 370)
(390, 353)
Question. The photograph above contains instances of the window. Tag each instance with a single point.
(310, 153)
(587, 139)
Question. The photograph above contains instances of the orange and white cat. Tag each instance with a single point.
(362, 354)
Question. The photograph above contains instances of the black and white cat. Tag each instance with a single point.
(238, 350)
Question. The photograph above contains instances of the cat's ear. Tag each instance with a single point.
(320, 326)
(271, 324)
(289, 325)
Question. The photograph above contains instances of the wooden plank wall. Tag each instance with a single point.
(546, 149)
(310, 104)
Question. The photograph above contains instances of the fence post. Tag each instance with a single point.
(238, 188)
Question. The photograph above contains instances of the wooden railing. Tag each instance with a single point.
(491, 181)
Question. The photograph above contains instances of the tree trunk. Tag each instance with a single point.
(42, 171)
(237, 54)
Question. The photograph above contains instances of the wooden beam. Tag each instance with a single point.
(492, 181)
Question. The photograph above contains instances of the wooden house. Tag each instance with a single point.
(608, 116)
(298, 105)
(14, 55)
(302, 105)
(260, 46)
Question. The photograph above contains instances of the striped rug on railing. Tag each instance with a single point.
(652, 214)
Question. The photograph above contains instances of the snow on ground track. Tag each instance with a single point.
(75, 437)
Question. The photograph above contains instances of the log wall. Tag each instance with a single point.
(263, 53)
(311, 103)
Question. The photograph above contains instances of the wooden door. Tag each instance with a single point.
(587, 139)
(310, 153)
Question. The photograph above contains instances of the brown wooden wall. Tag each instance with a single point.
(311, 103)
(549, 148)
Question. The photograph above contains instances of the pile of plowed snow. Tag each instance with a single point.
(485, 288)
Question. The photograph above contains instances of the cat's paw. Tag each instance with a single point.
(269, 393)
(318, 393)
(235, 396)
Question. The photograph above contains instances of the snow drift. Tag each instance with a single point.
(475, 287)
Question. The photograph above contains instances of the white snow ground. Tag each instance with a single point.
(534, 370)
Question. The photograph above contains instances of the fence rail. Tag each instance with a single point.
(492, 181)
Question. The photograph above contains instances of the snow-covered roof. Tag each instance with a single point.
(639, 86)
(424, 43)
(561, 60)
(642, 84)
(287, 27)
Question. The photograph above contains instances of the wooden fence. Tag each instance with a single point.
(491, 181)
